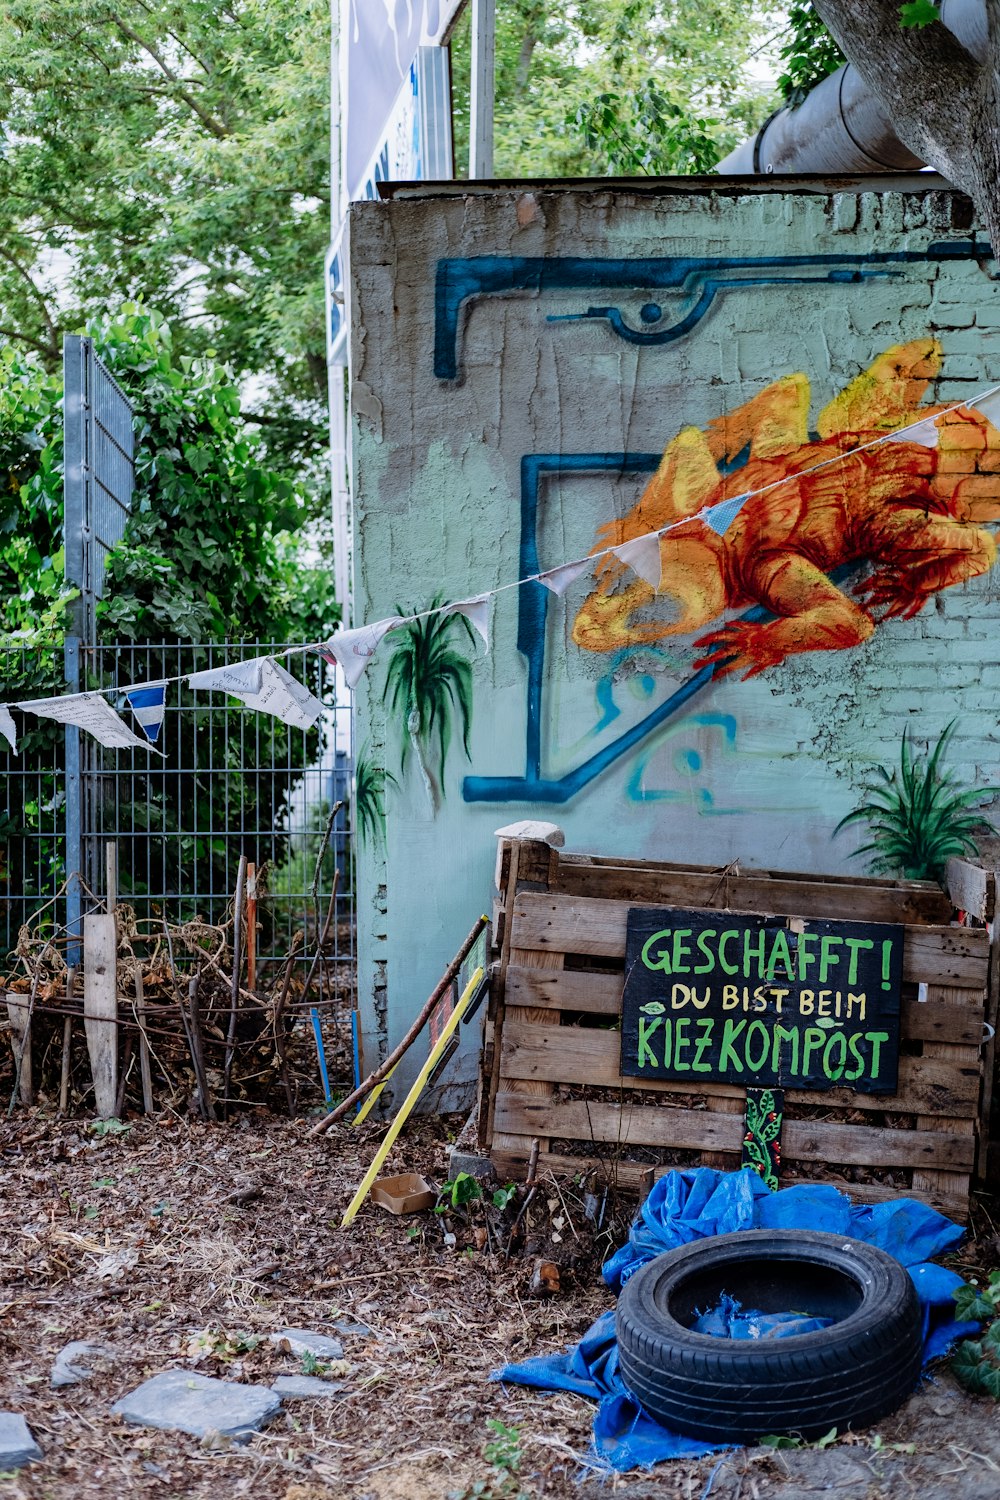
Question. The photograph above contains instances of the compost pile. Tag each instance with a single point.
(211, 1045)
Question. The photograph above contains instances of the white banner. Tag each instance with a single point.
(238, 678)
(477, 612)
(642, 555)
(8, 728)
(91, 712)
(559, 579)
(284, 698)
(354, 649)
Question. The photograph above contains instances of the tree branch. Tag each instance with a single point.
(13, 261)
(205, 116)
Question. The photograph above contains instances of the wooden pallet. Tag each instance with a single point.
(551, 1054)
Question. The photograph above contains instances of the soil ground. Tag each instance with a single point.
(180, 1244)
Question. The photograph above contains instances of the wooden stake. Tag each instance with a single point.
(198, 1052)
(67, 1044)
(19, 1012)
(237, 961)
(100, 1008)
(144, 1068)
(251, 927)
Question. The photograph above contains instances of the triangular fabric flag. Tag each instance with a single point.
(989, 406)
(8, 728)
(477, 612)
(236, 678)
(559, 579)
(91, 712)
(354, 649)
(719, 518)
(282, 696)
(148, 702)
(926, 433)
(642, 555)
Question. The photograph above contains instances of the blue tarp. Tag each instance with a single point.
(685, 1206)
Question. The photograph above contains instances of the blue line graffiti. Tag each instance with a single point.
(460, 280)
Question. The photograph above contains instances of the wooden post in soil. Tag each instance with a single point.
(144, 1068)
(241, 875)
(100, 1008)
(251, 927)
(19, 1016)
(67, 1046)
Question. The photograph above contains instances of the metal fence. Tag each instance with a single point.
(230, 781)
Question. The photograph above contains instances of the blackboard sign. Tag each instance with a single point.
(761, 1001)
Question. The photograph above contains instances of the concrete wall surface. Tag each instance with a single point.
(539, 372)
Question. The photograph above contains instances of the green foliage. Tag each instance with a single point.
(503, 1447)
(504, 1196)
(917, 817)
(919, 13)
(809, 54)
(428, 686)
(606, 87)
(783, 1441)
(455, 1194)
(180, 146)
(976, 1362)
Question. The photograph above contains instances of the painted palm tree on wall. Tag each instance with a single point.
(429, 689)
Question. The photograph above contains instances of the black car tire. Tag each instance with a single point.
(736, 1391)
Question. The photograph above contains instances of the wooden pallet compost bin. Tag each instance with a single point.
(551, 1056)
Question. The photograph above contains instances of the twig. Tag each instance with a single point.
(237, 939)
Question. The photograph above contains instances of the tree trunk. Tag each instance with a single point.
(944, 105)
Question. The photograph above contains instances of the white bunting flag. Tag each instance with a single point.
(558, 580)
(989, 406)
(8, 728)
(477, 612)
(354, 649)
(283, 697)
(642, 555)
(237, 678)
(926, 433)
(148, 702)
(91, 712)
(719, 518)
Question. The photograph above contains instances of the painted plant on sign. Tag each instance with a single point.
(429, 688)
(911, 506)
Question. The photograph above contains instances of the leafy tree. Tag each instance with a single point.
(619, 87)
(210, 553)
(809, 54)
(177, 149)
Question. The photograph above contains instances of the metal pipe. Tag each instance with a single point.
(840, 127)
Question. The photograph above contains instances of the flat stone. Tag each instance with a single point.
(183, 1401)
(350, 1329)
(302, 1341)
(69, 1367)
(17, 1446)
(305, 1385)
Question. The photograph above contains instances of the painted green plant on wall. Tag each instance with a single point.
(917, 816)
(429, 688)
(370, 782)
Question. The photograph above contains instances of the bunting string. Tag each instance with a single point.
(266, 687)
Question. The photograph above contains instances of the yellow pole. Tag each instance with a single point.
(366, 1107)
(419, 1083)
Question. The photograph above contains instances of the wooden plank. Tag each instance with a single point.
(100, 1008)
(701, 1130)
(936, 1180)
(971, 888)
(583, 1055)
(660, 885)
(985, 1163)
(19, 1015)
(587, 1120)
(575, 924)
(511, 1165)
(600, 994)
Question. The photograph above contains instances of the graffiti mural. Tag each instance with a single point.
(832, 546)
(429, 691)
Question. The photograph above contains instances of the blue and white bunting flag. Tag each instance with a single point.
(719, 518)
(89, 711)
(148, 703)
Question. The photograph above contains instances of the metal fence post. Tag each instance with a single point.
(76, 476)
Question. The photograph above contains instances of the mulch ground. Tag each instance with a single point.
(183, 1244)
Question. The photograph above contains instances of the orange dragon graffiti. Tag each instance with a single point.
(913, 512)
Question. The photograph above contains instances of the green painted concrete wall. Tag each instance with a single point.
(590, 325)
